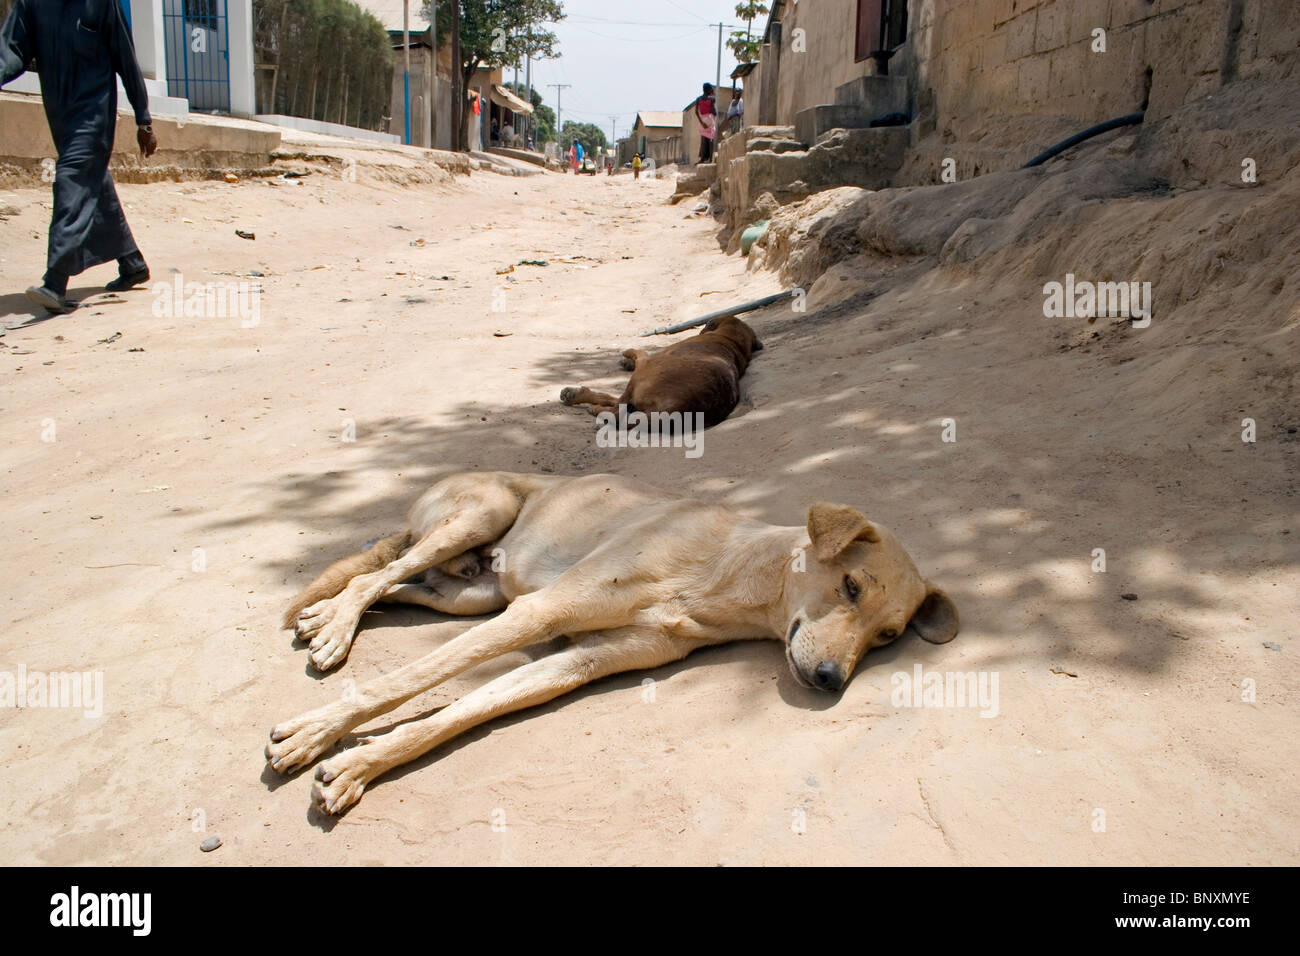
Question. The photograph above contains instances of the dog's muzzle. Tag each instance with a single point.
(828, 676)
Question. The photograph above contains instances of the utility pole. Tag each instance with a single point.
(528, 78)
(433, 75)
(721, 26)
(559, 108)
(457, 81)
(406, 75)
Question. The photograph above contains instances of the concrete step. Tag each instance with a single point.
(775, 145)
(876, 95)
(811, 124)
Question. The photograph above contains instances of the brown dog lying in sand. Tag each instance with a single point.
(697, 375)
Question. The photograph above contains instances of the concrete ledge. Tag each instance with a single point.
(392, 162)
(523, 155)
(194, 147)
(326, 129)
(504, 164)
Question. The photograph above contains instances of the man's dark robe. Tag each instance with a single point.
(80, 48)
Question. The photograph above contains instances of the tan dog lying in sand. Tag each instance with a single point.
(697, 375)
(635, 577)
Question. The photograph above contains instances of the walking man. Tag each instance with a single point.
(80, 48)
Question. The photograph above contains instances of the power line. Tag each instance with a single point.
(608, 36)
(626, 23)
(684, 10)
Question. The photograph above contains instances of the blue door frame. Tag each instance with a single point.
(197, 37)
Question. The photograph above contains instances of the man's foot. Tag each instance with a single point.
(51, 300)
(128, 280)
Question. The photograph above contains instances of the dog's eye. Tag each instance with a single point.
(851, 589)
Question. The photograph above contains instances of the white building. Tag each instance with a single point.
(194, 54)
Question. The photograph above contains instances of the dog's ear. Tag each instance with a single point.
(833, 528)
(710, 326)
(936, 619)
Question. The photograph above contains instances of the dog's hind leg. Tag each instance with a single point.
(457, 519)
(581, 395)
(450, 595)
(342, 779)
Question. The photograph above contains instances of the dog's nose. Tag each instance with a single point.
(828, 676)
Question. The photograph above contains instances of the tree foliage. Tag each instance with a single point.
(744, 44)
(591, 136)
(333, 62)
(497, 33)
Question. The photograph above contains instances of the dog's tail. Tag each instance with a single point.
(336, 577)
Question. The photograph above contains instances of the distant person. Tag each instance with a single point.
(81, 47)
(575, 157)
(736, 111)
(636, 166)
(706, 111)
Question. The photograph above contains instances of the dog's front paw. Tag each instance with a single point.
(569, 395)
(331, 644)
(341, 781)
(296, 743)
(311, 619)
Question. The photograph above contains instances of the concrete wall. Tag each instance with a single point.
(982, 58)
(421, 114)
(430, 95)
(243, 91)
(972, 63)
(816, 55)
(664, 144)
(147, 32)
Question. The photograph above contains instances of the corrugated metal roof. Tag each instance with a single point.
(659, 118)
(389, 13)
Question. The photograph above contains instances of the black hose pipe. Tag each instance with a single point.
(1131, 120)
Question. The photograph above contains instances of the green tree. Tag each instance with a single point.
(591, 136)
(322, 59)
(744, 45)
(497, 33)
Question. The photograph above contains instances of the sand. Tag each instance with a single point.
(191, 488)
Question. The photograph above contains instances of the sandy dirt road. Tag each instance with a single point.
(161, 507)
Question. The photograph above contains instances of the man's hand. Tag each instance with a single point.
(147, 140)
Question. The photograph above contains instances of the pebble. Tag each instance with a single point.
(210, 844)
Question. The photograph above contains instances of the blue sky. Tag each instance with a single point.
(621, 56)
